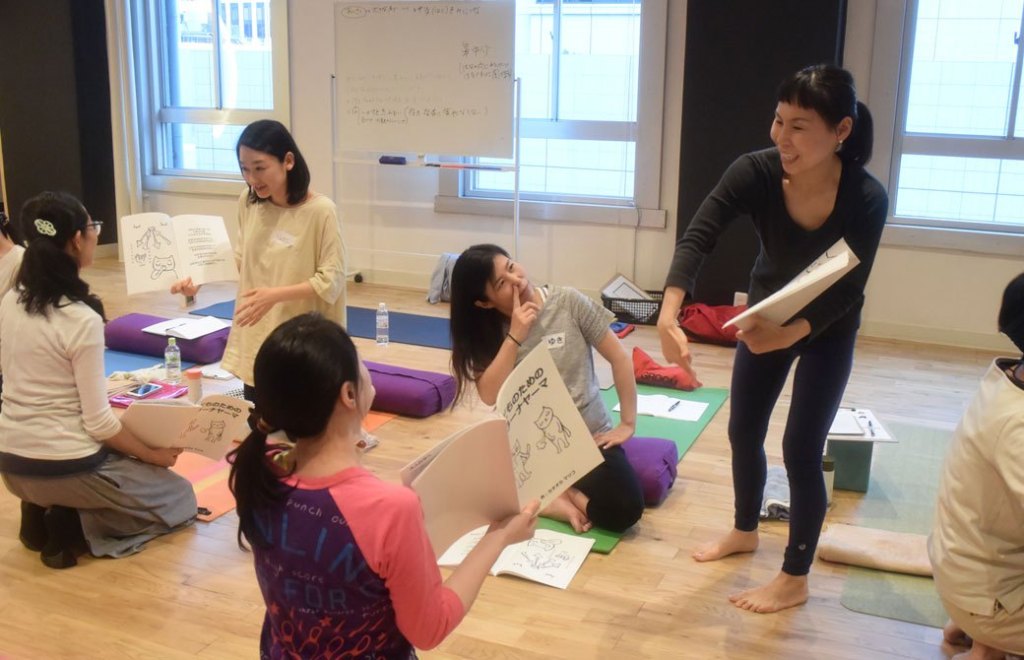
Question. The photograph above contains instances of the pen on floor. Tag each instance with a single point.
(871, 428)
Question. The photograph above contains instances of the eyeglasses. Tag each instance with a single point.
(97, 224)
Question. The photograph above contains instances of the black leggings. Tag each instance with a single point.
(818, 386)
(616, 498)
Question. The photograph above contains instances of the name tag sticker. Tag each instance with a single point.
(554, 341)
(283, 238)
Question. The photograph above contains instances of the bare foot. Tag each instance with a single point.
(783, 592)
(562, 508)
(954, 635)
(735, 541)
(579, 500)
(980, 651)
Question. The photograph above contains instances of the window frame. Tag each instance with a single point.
(643, 210)
(889, 91)
(150, 84)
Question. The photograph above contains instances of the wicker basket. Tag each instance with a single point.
(631, 310)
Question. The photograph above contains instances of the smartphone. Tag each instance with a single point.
(142, 391)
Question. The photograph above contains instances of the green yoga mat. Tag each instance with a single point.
(900, 498)
(682, 433)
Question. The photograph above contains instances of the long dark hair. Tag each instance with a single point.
(1011, 311)
(299, 372)
(271, 137)
(477, 333)
(829, 91)
(48, 273)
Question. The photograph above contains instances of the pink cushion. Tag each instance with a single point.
(410, 392)
(125, 334)
(655, 461)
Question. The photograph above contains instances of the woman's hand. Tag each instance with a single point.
(763, 336)
(519, 527)
(165, 457)
(615, 437)
(255, 305)
(185, 287)
(523, 317)
(676, 348)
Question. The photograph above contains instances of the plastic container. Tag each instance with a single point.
(172, 361)
(382, 325)
(828, 469)
(194, 378)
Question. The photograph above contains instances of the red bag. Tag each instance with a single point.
(649, 372)
(703, 323)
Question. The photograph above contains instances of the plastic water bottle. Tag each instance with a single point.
(382, 325)
(172, 361)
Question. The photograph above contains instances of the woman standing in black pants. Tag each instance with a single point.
(803, 195)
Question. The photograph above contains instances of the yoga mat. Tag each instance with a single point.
(210, 478)
(120, 361)
(221, 310)
(604, 541)
(900, 498)
(682, 433)
(430, 331)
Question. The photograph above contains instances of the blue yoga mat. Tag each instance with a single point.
(120, 361)
(362, 322)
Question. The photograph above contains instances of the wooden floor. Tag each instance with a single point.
(194, 593)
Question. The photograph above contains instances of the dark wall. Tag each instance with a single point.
(55, 104)
(737, 53)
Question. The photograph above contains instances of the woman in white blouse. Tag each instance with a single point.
(85, 482)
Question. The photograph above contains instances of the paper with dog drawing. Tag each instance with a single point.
(550, 557)
(492, 469)
(210, 429)
(160, 250)
(822, 273)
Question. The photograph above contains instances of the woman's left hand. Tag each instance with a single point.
(256, 303)
(615, 437)
(764, 336)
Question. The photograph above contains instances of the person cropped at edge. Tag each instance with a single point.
(977, 542)
(802, 195)
(289, 251)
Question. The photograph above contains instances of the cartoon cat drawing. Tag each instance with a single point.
(162, 265)
(554, 431)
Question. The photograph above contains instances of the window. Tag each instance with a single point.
(592, 87)
(958, 162)
(206, 76)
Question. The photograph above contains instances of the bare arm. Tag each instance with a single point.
(674, 345)
(126, 443)
(611, 349)
(490, 381)
(468, 577)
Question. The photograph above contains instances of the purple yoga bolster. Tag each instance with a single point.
(410, 392)
(125, 334)
(655, 461)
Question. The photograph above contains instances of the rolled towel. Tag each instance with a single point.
(775, 505)
(895, 552)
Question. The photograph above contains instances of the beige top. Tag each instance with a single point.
(280, 247)
(9, 265)
(977, 544)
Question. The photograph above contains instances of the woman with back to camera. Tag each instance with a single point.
(289, 249)
(803, 195)
(85, 482)
(342, 558)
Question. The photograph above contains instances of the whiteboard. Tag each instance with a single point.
(428, 77)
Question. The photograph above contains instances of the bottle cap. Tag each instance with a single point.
(828, 464)
(171, 341)
(195, 372)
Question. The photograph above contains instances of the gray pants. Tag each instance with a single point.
(123, 503)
